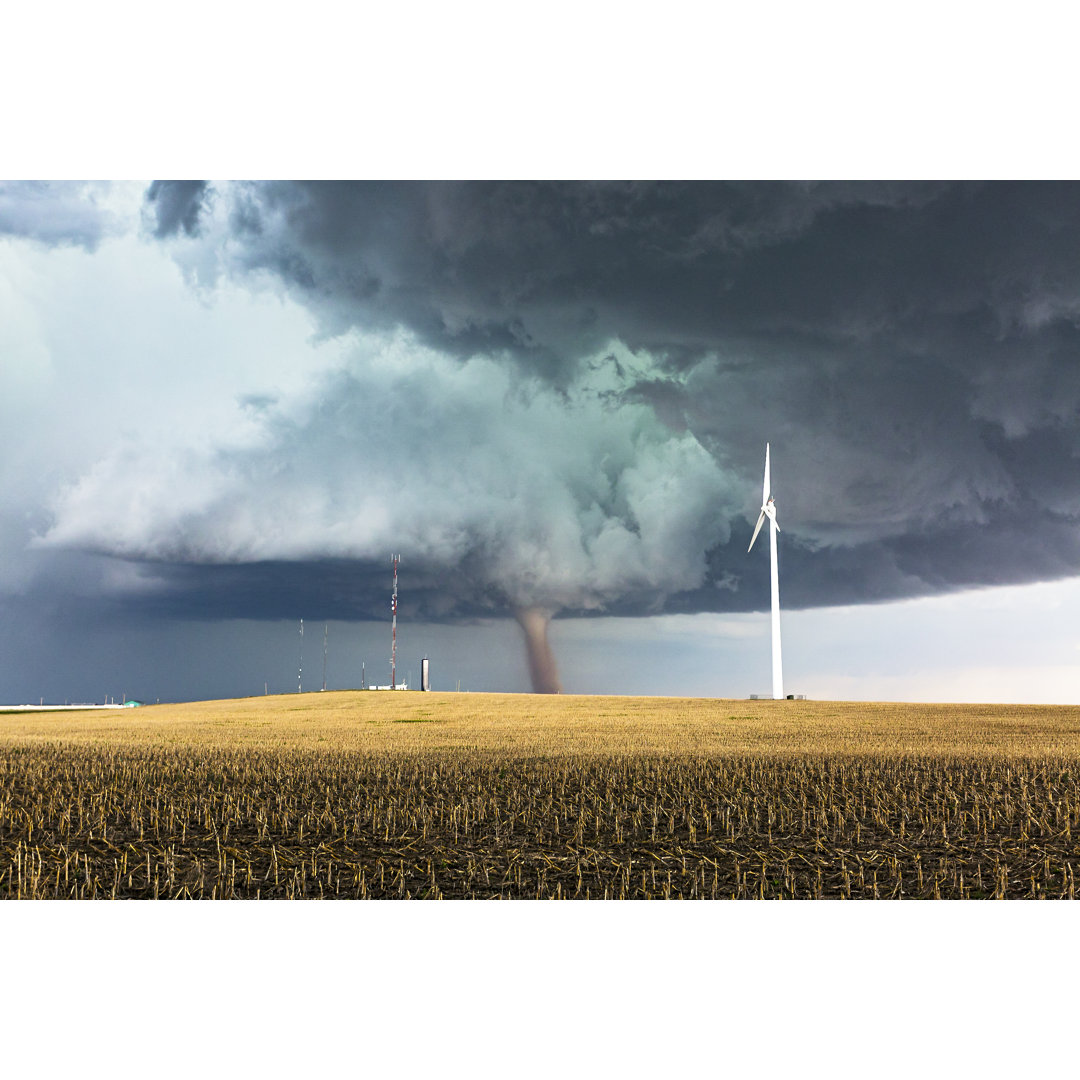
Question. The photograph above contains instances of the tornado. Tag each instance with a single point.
(545, 676)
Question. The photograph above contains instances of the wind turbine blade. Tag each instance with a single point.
(757, 529)
(766, 489)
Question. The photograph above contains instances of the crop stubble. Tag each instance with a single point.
(357, 795)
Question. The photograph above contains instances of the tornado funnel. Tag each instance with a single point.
(542, 670)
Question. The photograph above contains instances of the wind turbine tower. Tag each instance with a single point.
(393, 627)
(768, 510)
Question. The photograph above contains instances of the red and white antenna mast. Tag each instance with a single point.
(393, 628)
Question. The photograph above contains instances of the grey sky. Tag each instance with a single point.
(231, 402)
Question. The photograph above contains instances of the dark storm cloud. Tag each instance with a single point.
(911, 351)
(176, 205)
(552, 269)
(678, 268)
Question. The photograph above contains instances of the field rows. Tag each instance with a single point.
(86, 820)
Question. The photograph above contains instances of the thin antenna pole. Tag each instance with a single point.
(325, 632)
(393, 627)
(300, 669)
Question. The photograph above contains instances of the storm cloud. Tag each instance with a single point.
(556, 396)
(515, 494)
(176, 205)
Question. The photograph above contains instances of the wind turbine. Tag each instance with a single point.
(768, 510)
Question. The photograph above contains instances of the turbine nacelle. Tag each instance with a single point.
(768, 506)
(767, 511)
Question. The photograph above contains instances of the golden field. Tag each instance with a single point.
(405, 795)
(531, 724)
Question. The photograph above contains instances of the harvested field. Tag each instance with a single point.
(458, 795)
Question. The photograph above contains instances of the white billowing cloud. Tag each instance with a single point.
(107, 352)
(569, 499)
(145, 419)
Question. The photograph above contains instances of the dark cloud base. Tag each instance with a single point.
(937, 561)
